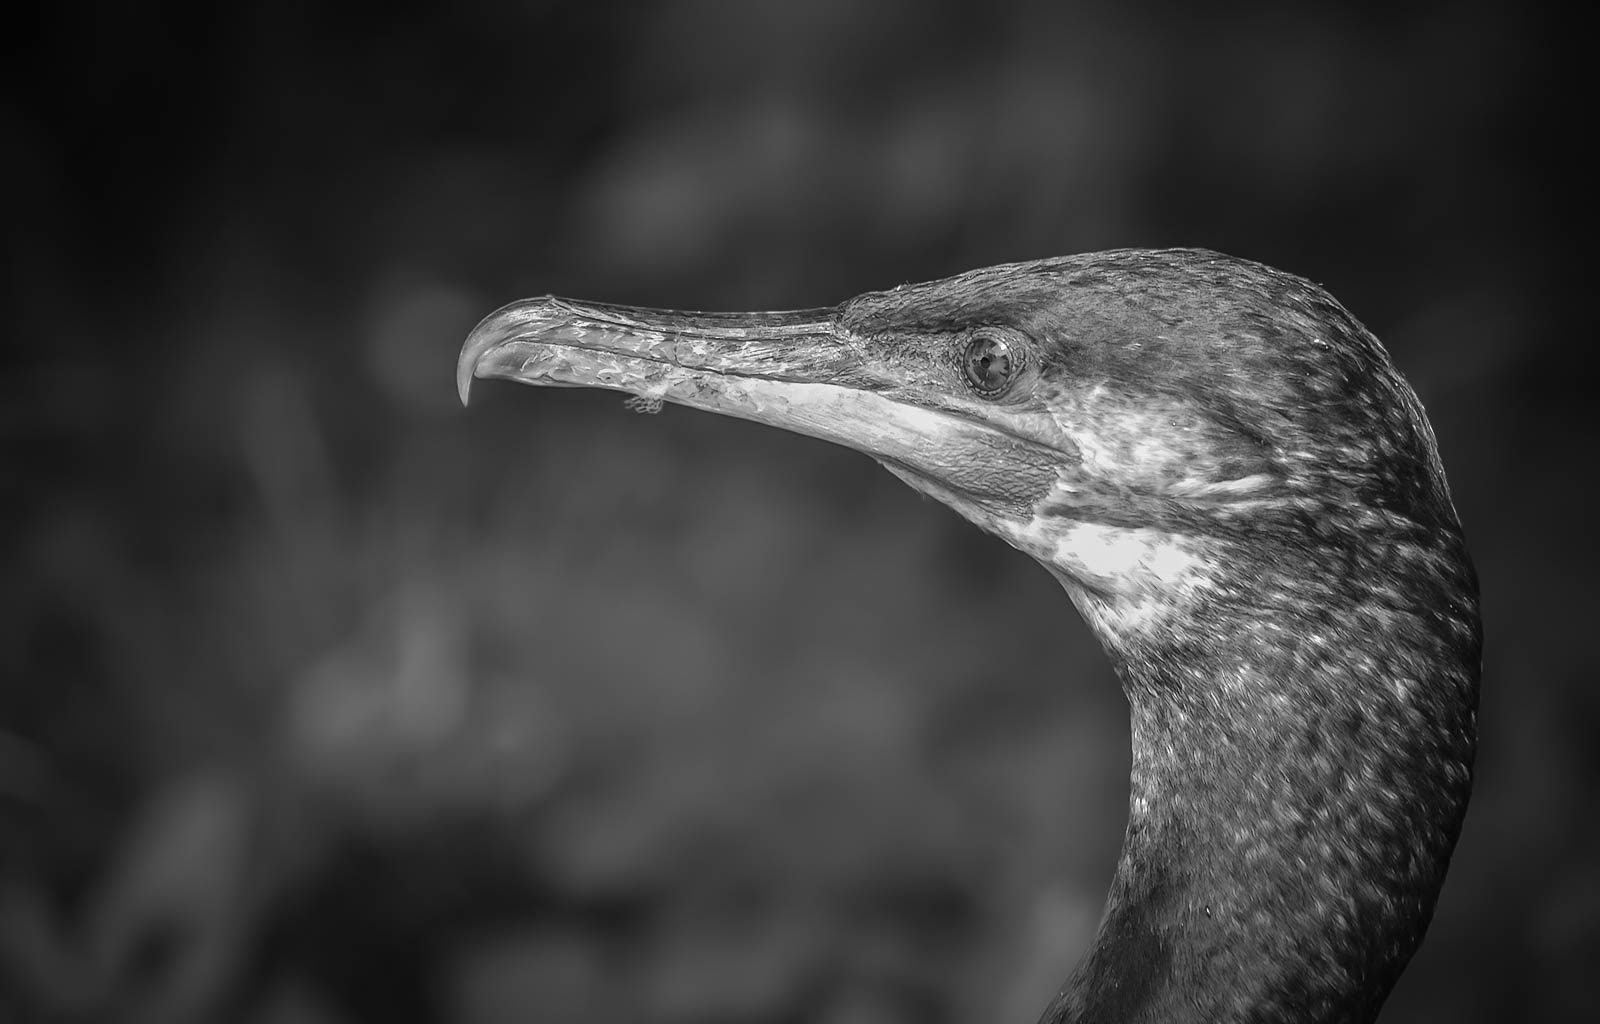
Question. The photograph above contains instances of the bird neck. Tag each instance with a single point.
(1293, 809)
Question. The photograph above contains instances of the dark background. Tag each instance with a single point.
(325, 700)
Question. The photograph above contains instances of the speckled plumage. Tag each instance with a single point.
(1244, 499)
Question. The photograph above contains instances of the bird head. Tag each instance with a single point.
(1152, 426)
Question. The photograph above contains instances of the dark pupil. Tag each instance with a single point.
(988, 364)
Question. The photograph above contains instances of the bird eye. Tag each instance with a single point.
(990, 363)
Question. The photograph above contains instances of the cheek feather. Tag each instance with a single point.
(1159, 445)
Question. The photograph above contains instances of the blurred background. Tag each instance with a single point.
(325, 700)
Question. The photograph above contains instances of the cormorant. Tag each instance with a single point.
(1245, 501)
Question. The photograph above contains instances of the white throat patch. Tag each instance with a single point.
(1130, 578)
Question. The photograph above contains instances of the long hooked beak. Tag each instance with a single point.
(801, 371)
(794, 370)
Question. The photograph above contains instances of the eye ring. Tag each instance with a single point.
(991, 362)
